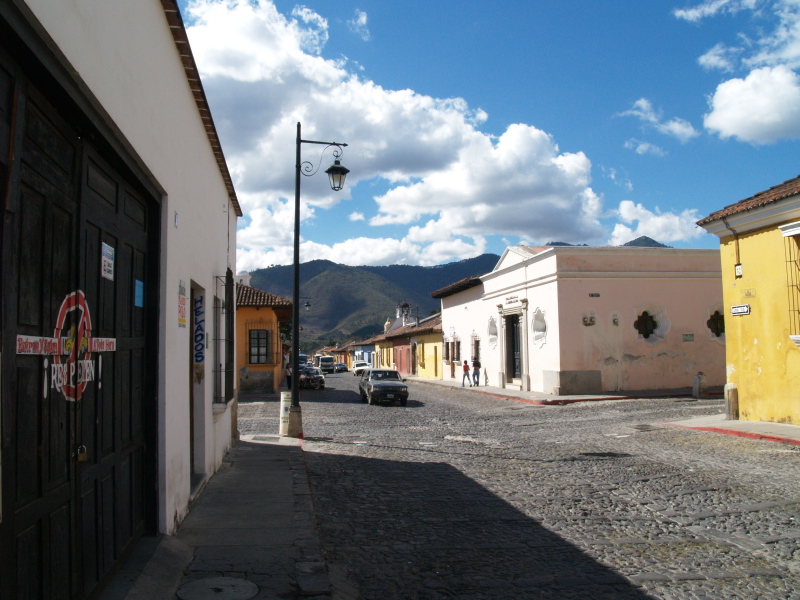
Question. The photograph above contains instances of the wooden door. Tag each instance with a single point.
(112, 276)
(78, 359)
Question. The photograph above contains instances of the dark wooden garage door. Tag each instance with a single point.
(76, 290)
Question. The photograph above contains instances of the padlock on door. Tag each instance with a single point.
(82, 455)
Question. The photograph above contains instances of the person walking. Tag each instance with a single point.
(288, 372)
(476, 371)
(466, 374)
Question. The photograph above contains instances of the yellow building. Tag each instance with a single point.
(427, 341)
(760, 253)
(259, 351)
(384, 352)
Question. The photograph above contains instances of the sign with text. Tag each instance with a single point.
(71, 347)
(181, 304)
(739, 310)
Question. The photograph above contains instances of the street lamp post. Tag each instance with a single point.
(336, 175)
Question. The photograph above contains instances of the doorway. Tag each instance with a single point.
(513, 346)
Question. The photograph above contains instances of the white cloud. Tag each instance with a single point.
(760, 109)
(678, 128)
(623, 182)
(449, 183)
(358, 25)
(710, 8)
(781, 46)
(662, 227)
(720, 57)
(315, 36)
(641, 147)
(365, 251)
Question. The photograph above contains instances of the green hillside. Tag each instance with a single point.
(354, 302)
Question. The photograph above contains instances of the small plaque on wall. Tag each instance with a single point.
(741, 309)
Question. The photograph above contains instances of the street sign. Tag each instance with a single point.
(739, 310)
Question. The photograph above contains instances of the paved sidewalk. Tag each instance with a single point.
(251, 534)
(759, 430)
(543, 399)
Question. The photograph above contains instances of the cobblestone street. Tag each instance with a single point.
(461, 495)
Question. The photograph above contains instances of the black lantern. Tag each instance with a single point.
(336, 174)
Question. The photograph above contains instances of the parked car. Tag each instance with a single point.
(382, 384)
(359, 366)
(340, 368)
(312, 377)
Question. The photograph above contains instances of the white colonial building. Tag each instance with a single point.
(570, 320)
(118, 242)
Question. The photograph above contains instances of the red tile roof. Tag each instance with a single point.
(430, 325)
(788, 188)
(458, 286)
(249, 296)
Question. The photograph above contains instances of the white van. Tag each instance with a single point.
(327, 364)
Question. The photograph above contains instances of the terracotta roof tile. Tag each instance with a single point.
(249, 296)
(429, 325)
(788, 188)
(458, 286)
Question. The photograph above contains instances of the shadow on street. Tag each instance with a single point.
(425, 531)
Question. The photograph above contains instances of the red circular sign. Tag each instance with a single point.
(74, 364)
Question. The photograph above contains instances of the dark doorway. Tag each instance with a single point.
(513, 345)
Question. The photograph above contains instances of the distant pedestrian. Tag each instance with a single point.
(466, 374)
(476, 371)
(288, 372)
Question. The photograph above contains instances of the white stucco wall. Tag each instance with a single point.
(573, 286)
(462, 314)
(124, 54)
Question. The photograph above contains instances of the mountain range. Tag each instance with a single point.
(354, 302)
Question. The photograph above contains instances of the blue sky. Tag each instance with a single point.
(473, 126)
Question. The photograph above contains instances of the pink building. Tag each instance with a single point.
(583, 320)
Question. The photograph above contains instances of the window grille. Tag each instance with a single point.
(457, 351)
(223, 341)
(476, 347)
(230, 324)
(217, 343)
(793, 282)
(260, 347)
(445, 350)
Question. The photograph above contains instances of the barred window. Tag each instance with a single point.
(260, 347)
(791, 234)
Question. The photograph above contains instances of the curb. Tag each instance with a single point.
(566, 400)
(744, 434)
